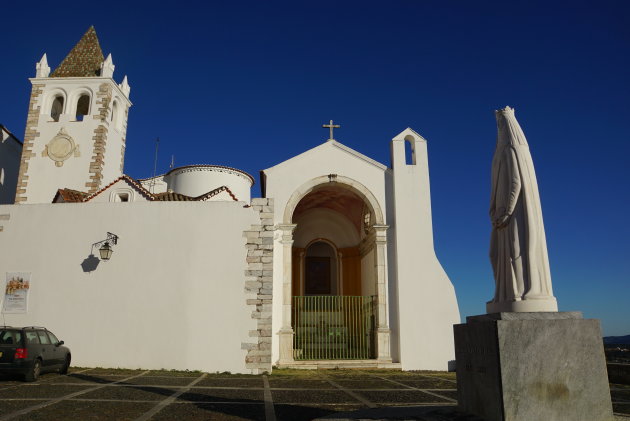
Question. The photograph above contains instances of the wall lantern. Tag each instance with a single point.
(105, 246)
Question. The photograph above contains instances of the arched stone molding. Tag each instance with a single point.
(50, 97)
(73, 98)
(287, 228)
(116, 116)
(340, 181)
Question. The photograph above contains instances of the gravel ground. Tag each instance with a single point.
(95, 394)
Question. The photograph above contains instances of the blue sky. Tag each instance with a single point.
(249, 83)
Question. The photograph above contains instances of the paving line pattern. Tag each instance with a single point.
(164, 403)
(41, 381)
(428, 391)
(270, 413)
(351, 393)
(62, 398)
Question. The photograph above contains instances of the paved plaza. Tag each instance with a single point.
(292, 395)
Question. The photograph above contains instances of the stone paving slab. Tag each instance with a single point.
(308, 396)
(130, 393)
(7, 407)
(368, 384)
(222, 395)
(428, 383)
(401, 397)
(299, 384)
(35, 391)
(88, 411)
(164, 381)
(310, 412)
(202, 411)
(241, 382)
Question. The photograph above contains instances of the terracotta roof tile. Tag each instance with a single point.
(176, 197)
(172, 197)
(84, 60)
(129, 181)
(215, 192)
(70, 196)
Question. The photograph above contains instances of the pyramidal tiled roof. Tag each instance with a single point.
(84, 60)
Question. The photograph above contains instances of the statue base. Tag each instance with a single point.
(532, 366)
(546, 304)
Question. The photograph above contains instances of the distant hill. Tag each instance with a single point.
(617, 340)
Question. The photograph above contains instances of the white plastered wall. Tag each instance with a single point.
(427, 307)
(197, 180)
(172, 295)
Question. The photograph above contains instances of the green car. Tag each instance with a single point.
(30, 351)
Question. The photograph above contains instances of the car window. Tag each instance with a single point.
(53, 338)
(31, 337)
(43, 338)
(10, 337)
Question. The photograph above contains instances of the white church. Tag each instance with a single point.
(333, 266)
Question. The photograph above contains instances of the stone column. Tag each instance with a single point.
(383, 352)
(286, 331)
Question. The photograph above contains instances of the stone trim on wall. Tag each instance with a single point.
(30, 134)
(4, 217)
(103, 101)
(122, 157)
(259, 286)
(123, 134)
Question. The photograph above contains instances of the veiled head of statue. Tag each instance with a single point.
(509, 131)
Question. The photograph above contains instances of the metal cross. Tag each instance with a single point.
(331, 126)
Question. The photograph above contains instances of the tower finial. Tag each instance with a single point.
(124, 87)
(42, 68)
(107, 68)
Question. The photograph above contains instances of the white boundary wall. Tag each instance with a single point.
(172, 295)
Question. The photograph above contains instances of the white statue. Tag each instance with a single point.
(518, 248)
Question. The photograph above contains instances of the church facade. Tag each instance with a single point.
(333, 266)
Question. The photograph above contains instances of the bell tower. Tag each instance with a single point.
(76, 125)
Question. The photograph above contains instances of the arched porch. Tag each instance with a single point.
(334, 274)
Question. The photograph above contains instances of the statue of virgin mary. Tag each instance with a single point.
(518, 248)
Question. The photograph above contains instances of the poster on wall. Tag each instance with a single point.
(16, 292)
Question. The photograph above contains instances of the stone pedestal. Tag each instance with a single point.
(532, 366)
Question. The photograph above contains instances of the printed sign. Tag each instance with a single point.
(16, 292)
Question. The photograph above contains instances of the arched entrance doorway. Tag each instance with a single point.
(320, 269)
(337, 308)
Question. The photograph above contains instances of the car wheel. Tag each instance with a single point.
(65, 366)
(34, 372)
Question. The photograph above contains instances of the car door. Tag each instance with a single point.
(59, 356)
(48, 349)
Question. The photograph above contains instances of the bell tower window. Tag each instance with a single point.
(57, 108)
(114, 116)
(410, 151)
(83, 106)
